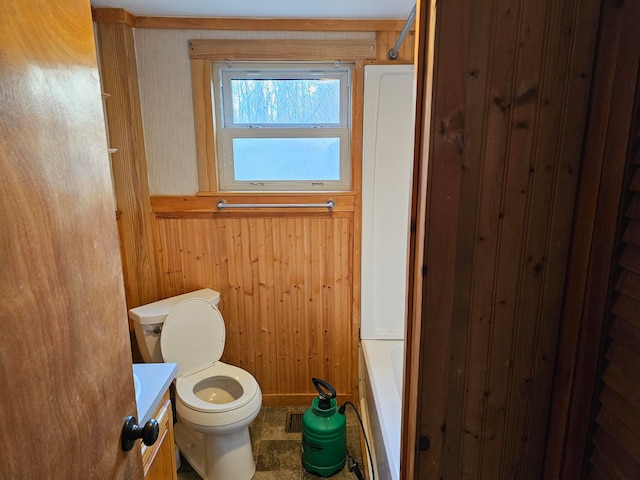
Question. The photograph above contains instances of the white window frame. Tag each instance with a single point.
(226, 130)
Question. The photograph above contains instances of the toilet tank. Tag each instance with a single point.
(148, 320)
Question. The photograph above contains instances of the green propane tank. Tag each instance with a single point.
(324, 433)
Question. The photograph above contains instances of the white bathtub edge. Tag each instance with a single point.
(388, 405)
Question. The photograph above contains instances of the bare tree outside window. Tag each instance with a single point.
(284, 128)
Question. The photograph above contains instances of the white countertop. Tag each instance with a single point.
(155, 379)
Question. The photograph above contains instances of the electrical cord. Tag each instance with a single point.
(341, 410)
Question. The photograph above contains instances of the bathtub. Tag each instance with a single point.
(387, 161)
(381, 393)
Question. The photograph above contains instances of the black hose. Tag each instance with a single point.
(341, 410)
(358, 473)
(353, 466)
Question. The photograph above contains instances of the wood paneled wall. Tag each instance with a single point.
(502, 146)
(286, 293)
(289, 279)
(602, 288)
(614, 451)
(119, 77)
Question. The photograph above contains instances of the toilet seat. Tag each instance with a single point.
(193, 336)
(185, 386)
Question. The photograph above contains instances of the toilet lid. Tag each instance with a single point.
(192, 335)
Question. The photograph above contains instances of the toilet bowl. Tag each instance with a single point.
(215, 401)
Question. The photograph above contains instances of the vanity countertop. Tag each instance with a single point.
(155, 379)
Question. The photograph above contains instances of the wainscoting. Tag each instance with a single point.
(286, 286)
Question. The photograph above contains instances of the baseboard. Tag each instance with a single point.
(295, 399)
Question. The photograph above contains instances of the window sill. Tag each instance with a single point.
(204, 204)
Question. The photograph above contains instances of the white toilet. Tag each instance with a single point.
(215, 402)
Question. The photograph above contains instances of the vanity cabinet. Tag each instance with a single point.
(159, 459)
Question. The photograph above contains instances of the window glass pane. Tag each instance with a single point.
(304, 102)
(258, 159)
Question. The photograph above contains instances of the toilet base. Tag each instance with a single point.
(217, 457)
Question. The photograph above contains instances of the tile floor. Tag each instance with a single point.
(277, 452)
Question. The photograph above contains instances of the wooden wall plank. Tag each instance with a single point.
(415, 341)
(568, 51)
(203, 114)
(120, 15)
(385, 41)
(587, 294)
(485, 385)
(120, 81)
(437, 180)
(176, 206)
(113, 15)
(474, 260)
(516, 106)
(285, 294)
(510, 98)
(535, 176)
(271, 24)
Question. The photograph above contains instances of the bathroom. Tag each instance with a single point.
(293, 281)
(288, 278)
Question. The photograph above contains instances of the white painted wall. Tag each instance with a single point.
(389, 111)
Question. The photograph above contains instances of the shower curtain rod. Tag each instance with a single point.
(393, 53)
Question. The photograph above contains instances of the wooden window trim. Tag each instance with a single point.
(204, 52)
(285, 50)
(204, 123)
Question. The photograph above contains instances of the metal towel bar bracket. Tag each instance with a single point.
(329, 204)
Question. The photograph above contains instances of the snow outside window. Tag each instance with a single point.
(283, 127)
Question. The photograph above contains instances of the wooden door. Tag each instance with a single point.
(65, 357)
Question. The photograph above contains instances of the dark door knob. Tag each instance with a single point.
(131, 432)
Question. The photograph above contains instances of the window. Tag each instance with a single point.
(283, 126)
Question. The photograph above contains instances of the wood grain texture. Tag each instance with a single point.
(286, 50)
(159, 459)
(614, 445)
(204, 116)
(584, 317)
(120, 81)
(286, 294)
(206, 203)
(444, 117)
(385, 41)
(113, 15)
(269, 24)
(510, 97)
(414, 339)
(65, 359)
